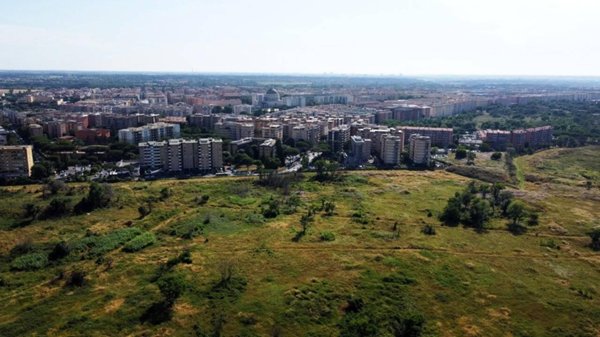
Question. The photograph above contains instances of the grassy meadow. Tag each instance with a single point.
(368, 259)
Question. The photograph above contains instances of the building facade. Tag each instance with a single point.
(16, 161)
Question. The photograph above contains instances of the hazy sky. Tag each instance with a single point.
(486, 37)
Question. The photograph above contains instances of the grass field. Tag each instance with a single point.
(464, 283)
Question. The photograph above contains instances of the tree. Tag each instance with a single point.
(595, 236)
(484, 189)
(479, 213)
(40, 171)
(57, 207)
(461, 153)
(31, 210)
(99, 196)
(471, 158)
(452, 212)
(171, 286)
(516, 211)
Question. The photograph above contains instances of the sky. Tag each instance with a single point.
(391, 37)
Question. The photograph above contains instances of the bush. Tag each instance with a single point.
(30, 261)
(165, 193)
(97, 245)
(140, 242)
(99, 196)
(23, 247)
(60, 251)
(327, 236)
(57, 207)
(171, 286)
(76, 279)
(428, 230)
(496, 156)
(202, 200)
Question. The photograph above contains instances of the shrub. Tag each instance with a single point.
(30, 261)
(76, 279)
(428, 230)
(60, 251)
(165, 193)
(171, 286)
(496, 156)
(327, 236)
(57, 207)
(99, 196)
(594, 234)
(23, 247)
(202, 200)
(140, 242)
(97, 245)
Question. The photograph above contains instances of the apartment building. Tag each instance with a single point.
(180, 155)
(391, 149)
(419, 149)
(267, 148)
(338, 137)
(274, 131)
(519, 139)
(151, 132)
(360, 150)
(440, 137)
(16, 161)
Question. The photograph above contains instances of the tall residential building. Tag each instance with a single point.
(150, 132)
(179, 155)
(16, 161)
(419, 149)
(391, 149)
(267, 148)
(338, 136)
(360, 150)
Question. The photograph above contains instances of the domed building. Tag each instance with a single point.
(272, 95)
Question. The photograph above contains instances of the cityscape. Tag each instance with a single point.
(340, 168)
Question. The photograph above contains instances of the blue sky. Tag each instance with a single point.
(469, 37)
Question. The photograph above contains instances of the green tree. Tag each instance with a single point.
(516, 211)
(171, 286)
(479, 213)
(461, 153)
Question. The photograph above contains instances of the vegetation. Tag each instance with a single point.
(239, 273)
(140, 242)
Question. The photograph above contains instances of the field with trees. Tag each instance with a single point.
(361, 253)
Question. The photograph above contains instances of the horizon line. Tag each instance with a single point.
(307, 74)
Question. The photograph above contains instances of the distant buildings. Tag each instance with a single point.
(93, 136)
(419, 151)
(519, 139)
(440, 137)
(150, 132)
(179, 155)
(16, 161)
